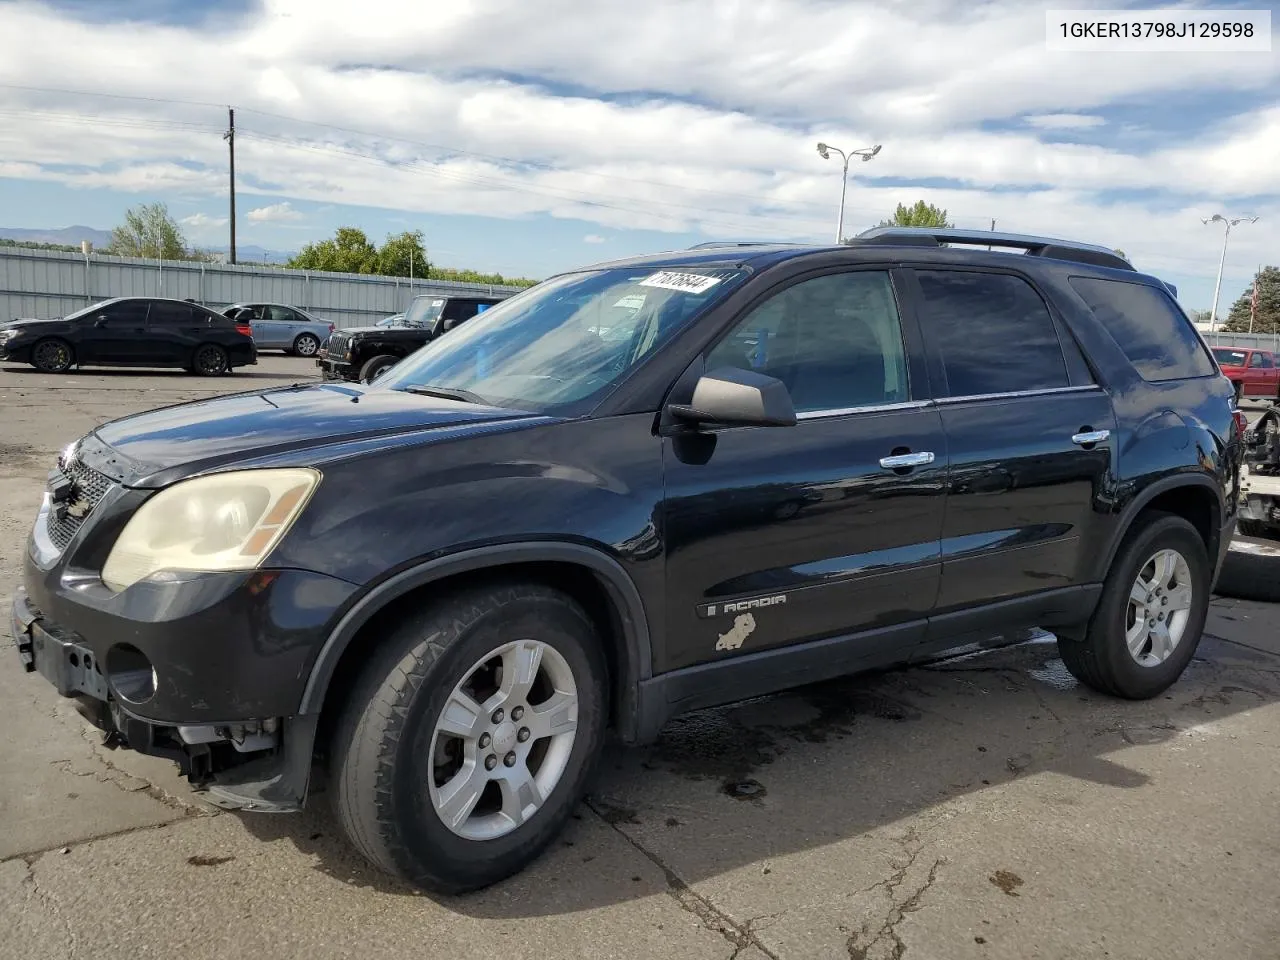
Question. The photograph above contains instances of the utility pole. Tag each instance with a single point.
(1217, 287)
(993, 230)
(230, 137)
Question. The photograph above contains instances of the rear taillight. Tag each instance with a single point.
(331, 328)
(1242, 422)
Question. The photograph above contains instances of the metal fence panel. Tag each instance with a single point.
(52, 283)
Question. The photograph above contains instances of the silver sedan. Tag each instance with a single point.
(275, 326)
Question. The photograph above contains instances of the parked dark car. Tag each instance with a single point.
(131, 332)
(797, 463)
(277, 326)
(361, 354)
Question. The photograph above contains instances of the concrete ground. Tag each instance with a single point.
(986, 807)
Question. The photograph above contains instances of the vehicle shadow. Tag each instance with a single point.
(751, 783)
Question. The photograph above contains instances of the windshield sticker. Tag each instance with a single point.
(685, 282)
(633, 302)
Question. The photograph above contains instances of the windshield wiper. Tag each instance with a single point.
(448, 393)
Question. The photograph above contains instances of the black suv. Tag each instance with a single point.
(361, 354)
(633, 490)
(131, 332)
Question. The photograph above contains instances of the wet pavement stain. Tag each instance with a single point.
(1007, 881)
(614, 813)
(745, 789)
(200, 860)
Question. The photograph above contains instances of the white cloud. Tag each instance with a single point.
(686, 115)
(274, 213)
(1064, 121)
(593, 238)
(199, 220)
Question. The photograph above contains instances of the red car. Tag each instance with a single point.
(1254, 372)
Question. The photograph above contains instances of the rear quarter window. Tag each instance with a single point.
(1149, 327)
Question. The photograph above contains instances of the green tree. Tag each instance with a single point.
(921, 215)
(403, 255)
(33, 245)
(350, 251)
(1267, 318)
(148, 231)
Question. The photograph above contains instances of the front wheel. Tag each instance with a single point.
(376, 366)
(470, 736)
(1150, 616)
(52, 356)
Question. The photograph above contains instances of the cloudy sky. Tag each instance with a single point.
(529, 136)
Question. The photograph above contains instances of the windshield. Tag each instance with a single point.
(84, 311)
(1230, 358)
(423, 311)
(564, 340)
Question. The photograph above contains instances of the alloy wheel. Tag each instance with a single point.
(1159, 608)
(503, 740)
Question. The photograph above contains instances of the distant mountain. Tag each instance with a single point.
(68, 235)
(248, 253)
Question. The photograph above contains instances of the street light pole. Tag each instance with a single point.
(866, 153)
(1226, 235)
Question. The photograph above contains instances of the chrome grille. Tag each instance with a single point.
(337, 345)
(89, 487)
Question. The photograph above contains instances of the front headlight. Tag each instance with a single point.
(226, 521)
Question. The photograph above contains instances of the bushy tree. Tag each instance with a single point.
(349, 251)
(1267, 318)
(921, 215)
(148, 231)
(403, 255)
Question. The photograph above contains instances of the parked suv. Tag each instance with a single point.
(362, 354)
(798, 463)
(1253, 373)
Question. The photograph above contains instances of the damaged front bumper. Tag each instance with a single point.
(263, 765)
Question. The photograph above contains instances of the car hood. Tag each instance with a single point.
(301, 424)
(29, 323)
(384, 331)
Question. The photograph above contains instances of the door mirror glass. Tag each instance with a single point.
(734, 397)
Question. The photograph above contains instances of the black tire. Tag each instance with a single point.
(1238, 387)
(1101, 659)
(210, 360)
(306, 345)
(1250, 528)
(52, 355)
(385, 732)
(1251, 570)
(375, 365)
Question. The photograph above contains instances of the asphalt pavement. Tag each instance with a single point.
(983, 807)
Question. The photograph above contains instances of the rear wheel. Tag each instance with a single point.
(376, 366)
(1151, 615)
(210, 360)
(52, 356)
(470, 736)
(306, 345)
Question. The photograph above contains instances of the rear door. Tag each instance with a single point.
(1029, 435)
(173, 332)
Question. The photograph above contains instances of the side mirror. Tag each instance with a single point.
(734, 397)
(100, 322)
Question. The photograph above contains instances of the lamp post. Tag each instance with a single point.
(1217, 287)
(866, 153)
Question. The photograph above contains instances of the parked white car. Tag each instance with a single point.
(275, 326)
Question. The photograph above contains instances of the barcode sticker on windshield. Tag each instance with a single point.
(686, 282)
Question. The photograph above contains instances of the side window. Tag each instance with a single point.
(1266, 361)
(1255, 360)
(1149, 327)
(280, 314)
(993, 332)
(169, 314)
(835, 341)
(130, 313)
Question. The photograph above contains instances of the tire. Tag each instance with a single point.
(1250, 528)
(1251, 570)
(1238, 387)
(52, 355)
(210, 360)
(1102, 659)
(386, 801)
(376, 365)
(306, 345)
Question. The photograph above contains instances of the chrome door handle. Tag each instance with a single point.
(906, 460)
(1094, 436)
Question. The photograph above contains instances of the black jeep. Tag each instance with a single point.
(633, 490)
(360, 354)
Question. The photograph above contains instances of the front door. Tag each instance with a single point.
(780, 535)
(1029, 435)
(114, 334)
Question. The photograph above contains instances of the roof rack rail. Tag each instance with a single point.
(710, 244)
(1048, 247)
